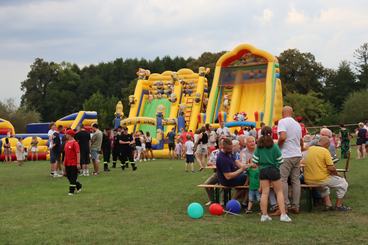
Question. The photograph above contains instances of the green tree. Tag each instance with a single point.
(314, 110)
(361, 65)
(339, 84)
(300, 72)
(36, 86)
(105, 108)
(207, 59)
(355, 108)
(18, 116)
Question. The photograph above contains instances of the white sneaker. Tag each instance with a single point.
(265, 218)
(86, 174)
(144, 160)
(285, 218)
(70, 194)
(78, 191)
(56, 175)
(153, 159)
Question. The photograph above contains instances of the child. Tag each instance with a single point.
(253, 179)
(34, 149)
(72, 162)
(268, 157)
(188, 146)
(178, 149)
(149, 145)
(142, 137)
(19, 152)
(7, 150)
(138, 147)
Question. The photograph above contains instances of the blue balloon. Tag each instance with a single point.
(195, 210)
(233, 206)
(277, 75)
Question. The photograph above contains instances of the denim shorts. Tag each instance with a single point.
(254, 196)
(94, 154)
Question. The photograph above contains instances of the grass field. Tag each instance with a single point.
(149, 207)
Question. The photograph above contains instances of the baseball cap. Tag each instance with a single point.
(70, 132)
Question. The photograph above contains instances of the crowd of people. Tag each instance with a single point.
(270, 161)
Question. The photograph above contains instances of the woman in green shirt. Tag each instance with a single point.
(268, 157)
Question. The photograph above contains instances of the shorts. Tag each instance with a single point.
(138, 149)
(270, 173)
(202, 149)
(148, 145)
(54, 156)
(171, 146)
(33, 149)
(7, 151)
(94, 154)
(143, 147)
(190, 158)
(336, 182)
(84, 157)
(254, 196)
(360, 141)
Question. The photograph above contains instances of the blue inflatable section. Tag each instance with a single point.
(181, 123)
(37, 128)
(239, 124)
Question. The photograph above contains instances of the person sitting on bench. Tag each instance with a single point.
(319, 169)
(230, 172)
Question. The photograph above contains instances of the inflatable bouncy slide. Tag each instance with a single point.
(40, 130)
(246, 89)
(163, 101)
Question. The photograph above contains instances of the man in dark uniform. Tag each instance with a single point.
(106, 148)
(125, 142)
(116, 146)
(84, 140)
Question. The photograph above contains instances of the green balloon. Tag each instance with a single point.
(195, 210)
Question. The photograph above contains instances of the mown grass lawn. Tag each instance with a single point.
(149, 207)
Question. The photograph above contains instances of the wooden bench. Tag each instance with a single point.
(346, 168)
(227, 192)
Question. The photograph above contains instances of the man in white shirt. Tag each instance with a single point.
(247, 153)
(290, 142)
(50, 133)
(222, 130)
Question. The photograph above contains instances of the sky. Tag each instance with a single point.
(92, 31)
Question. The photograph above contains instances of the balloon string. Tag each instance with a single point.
(228, 212)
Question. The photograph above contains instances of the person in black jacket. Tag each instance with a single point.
(106, 148)
(115, 146)
(125, 144)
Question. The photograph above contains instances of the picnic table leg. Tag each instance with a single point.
(227, 195)
(309, 199)
(217, 195)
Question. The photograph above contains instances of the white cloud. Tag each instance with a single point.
(12, 73)
(295, 17)
(91, 31)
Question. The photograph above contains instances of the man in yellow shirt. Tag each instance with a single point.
(319, 169)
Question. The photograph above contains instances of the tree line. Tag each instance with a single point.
(320, 95)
